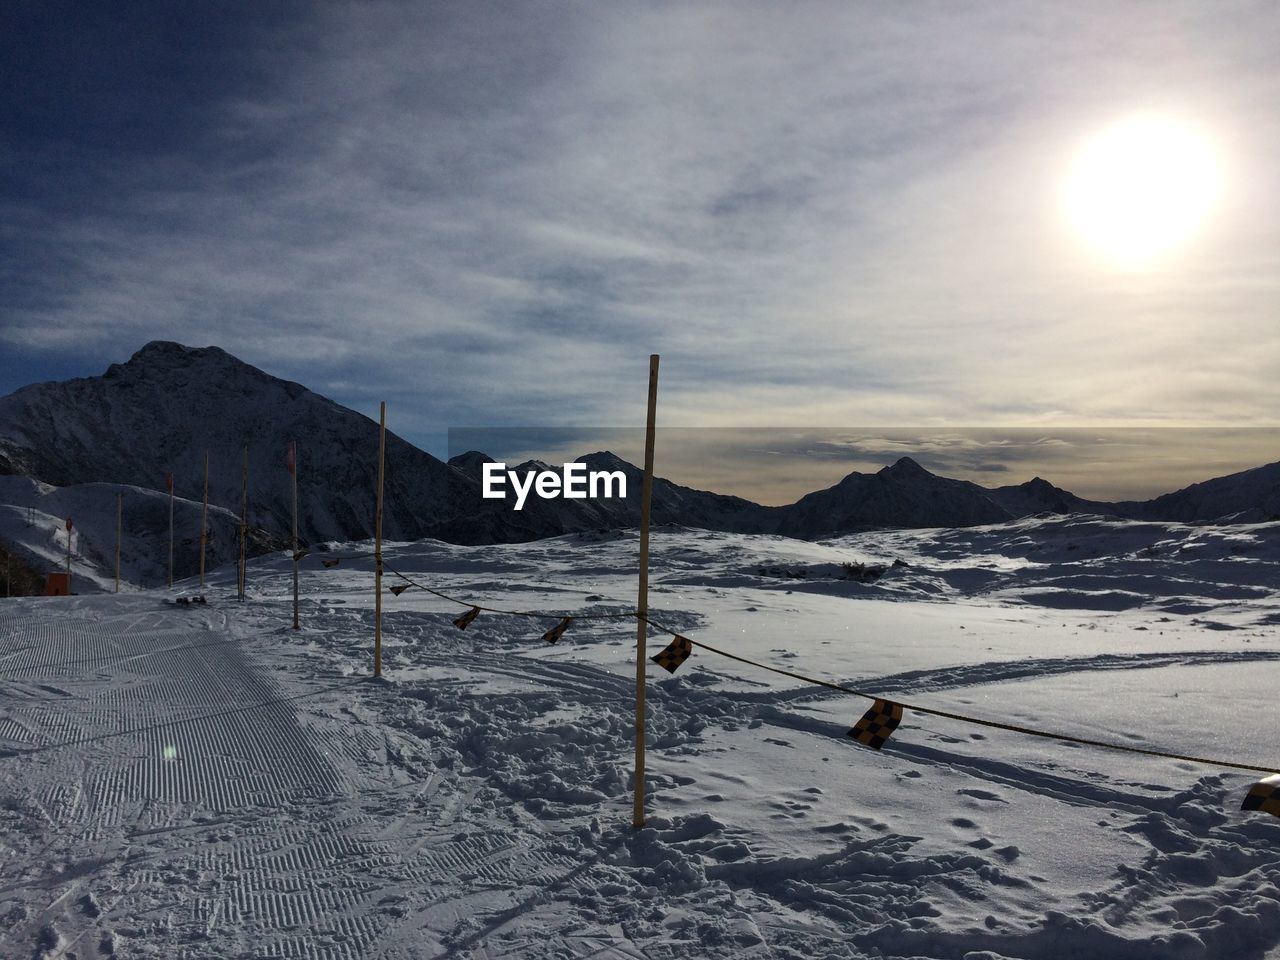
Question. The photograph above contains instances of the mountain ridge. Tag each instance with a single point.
(159, 411)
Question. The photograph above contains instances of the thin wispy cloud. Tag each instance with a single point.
(492, 213)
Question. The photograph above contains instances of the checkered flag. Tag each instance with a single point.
(675, 653)
(464, 621)
(877, 724)
(1264, 795)
(400, 588)
(556, 632)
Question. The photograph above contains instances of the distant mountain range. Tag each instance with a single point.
(163, 408)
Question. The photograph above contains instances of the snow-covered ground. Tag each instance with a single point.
(204, 782)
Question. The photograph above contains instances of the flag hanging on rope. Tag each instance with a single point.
(297, 557)
(673, 654)
(168, 482)
(291, 456)
(400, 588)
(556, 632)
(331, 563)
(464, 621)
(877, 724)
(1264, 795)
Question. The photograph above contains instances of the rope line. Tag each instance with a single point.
(964, 718)
(928, 711)
(626, 615)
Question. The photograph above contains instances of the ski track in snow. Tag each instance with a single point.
(226, 821)
(197, 783)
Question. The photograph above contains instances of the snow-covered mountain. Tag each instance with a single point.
(169, 404)
(672, 503)
(1251, 496)
(1040, 496)
(677, 504)
(902, 495)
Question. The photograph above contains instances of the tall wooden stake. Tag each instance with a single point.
(204, 518)
(244, 522)
(642, 603)
(293, 471)
(170, 533)
(119, 515)
(377, 544)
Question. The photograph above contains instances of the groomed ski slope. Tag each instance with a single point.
(204, 782)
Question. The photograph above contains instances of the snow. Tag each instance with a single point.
(205, 782)
(33, 519)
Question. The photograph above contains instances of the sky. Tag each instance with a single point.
(491, 213)
(779, 465)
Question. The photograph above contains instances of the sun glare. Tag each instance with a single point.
(1138, 189)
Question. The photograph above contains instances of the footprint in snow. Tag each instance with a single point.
(89, 906)
(982, 795)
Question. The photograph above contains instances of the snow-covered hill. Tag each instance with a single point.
(33, 525)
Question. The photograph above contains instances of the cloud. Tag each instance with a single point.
(780, 465)
(492, 213)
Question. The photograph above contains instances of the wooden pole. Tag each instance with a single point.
(119, 515)
(377, 544)
(244, 522)
(293, 461)
(204, 518)
(642, 603)
(171, 534)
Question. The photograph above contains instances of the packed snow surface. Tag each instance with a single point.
(201, 781)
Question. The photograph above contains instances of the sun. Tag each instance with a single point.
(1139, 188)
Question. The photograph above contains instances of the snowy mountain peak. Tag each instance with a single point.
(906, 467)
(607, 460)
(471, 463)
(169, 348)
(163, 361)
(168, 354)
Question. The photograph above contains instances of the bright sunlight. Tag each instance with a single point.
(1139, 188)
